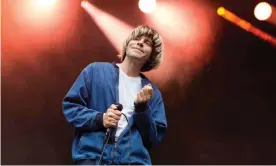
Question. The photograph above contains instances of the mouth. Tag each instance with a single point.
(138, 49)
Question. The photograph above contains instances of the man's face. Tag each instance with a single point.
(140, 48)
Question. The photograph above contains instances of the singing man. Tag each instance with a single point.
(105, 134)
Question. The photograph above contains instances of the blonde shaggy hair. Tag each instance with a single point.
(156, 56)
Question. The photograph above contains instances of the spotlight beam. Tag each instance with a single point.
(114, 29)
(246, 25)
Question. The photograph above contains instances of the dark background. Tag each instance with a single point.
(225, 115)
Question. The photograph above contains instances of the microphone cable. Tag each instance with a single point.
(107, 139)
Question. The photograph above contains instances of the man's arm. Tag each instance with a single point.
(151, 121)
(75, 102)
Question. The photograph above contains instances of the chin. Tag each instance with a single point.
(137, 56)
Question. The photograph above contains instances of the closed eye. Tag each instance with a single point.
(148, 42)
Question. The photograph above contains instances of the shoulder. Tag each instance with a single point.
(96, 65)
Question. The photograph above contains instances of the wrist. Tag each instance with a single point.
(100, 120)
(140, 107)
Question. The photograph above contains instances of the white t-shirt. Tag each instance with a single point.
(128, 89)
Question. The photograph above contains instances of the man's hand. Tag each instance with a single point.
(145, 94)
(111, 117)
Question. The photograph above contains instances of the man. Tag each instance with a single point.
(103, 135)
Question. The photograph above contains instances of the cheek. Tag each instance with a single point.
(131, 43)
(149, 51)
(128, 48)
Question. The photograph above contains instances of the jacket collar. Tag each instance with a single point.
(145, 80)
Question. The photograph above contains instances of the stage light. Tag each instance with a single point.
(83, 3)
(262, 11)
(221, 11)
(39, 12)
(44, 3)
(147, 6)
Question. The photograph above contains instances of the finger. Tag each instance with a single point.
(110, 113)
(145, 92)
(117, 112)
(148, 97)
(139, 98)
(112, 124)
(147, 86)
(116, 117)
(150, 91)
(113, 106)
(113, 120)
(144, 98)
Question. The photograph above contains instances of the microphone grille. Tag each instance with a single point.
(119, 106)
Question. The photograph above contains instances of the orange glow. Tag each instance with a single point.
(147, 6)
(187, 36)
(262, 11)
(248, 27)
(114, 29)
(181, 22)
(38, 12)
(35, 31)
(173, 19)
(188, 29)
(38, 9)
(44, 3)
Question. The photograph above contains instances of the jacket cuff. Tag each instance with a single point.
(140, 107)
(99, 120)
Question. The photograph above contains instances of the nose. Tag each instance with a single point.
(140, 43)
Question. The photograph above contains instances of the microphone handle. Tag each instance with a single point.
(119, 108)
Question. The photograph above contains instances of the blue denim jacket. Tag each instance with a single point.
(95, 89)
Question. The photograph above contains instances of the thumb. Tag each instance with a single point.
(149, 84)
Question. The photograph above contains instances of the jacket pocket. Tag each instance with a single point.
(139, 152)
(91, 143)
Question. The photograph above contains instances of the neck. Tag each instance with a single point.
(130, 67)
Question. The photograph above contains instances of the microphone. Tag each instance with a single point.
(119, 108)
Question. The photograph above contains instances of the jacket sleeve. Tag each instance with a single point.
(75, 107)
(150, 120)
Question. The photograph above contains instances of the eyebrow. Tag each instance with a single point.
(149, 40)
